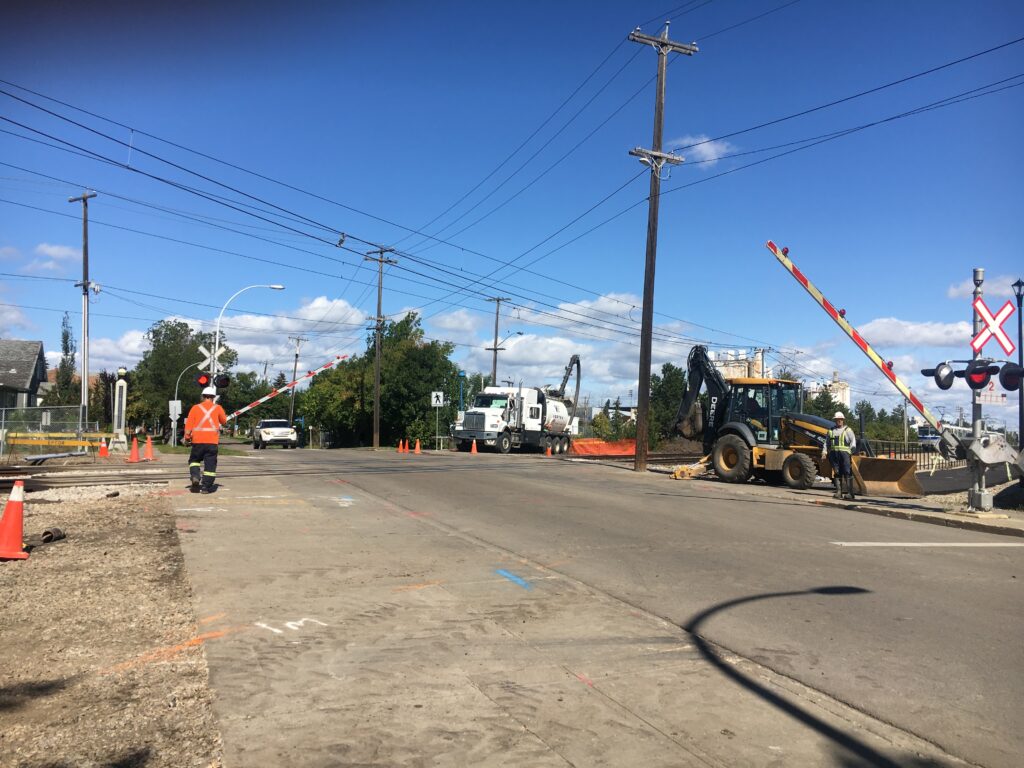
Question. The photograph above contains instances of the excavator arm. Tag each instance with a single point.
(701, 372)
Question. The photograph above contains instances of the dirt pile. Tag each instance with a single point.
(101, 664)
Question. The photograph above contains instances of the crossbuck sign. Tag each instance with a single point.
(993, 326)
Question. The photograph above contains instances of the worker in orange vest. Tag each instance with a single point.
(202, 429)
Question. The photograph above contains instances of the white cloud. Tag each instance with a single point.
(52, 258)
(59, 252)
(706, 151)
(8, 252)
(893, 332)
(1000, 287)
(11, 318)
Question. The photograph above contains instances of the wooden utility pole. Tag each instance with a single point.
(83, 415)
(494, 363)
(656, 159)
(295, 372)
(381, 260)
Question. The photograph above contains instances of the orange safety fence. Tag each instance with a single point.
(591, 446)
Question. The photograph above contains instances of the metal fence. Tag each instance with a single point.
(927, 458)
(32, 431)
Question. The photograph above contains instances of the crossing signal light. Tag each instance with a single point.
(942, 373)
(203, 380)
(1010, 377)
(221, 380)
(979, 373)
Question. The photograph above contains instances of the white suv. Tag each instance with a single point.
(274, 432)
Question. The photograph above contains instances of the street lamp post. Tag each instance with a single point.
(499, 348)
(1018, 291)
(216, 335)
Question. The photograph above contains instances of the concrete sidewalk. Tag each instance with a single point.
(346, 630)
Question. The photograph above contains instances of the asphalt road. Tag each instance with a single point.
(926, 638)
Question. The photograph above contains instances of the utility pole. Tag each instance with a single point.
(295, 372)
(381, 260)
(494, 364)
(265, 364)
(978, 499)
(656, 159)
(83, 415)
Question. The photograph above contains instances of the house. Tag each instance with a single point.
(22, 371)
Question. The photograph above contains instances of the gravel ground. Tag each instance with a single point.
(1006, 497)
(102, 661)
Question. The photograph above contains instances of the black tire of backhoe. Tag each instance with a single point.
(798, 471)
(740, 471)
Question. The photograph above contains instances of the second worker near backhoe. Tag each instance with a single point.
(841, 445)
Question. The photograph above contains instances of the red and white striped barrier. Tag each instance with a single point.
(287, 387)
(782, 254)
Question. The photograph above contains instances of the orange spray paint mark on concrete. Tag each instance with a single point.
(169, 652)
(408, 587)
(213, 618)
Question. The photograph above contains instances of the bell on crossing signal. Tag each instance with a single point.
(1010, 377)
(203, 380)
(221, 380)
(942, 373)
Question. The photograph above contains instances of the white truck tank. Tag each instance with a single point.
(557, 417)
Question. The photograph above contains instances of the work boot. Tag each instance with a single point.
(195, 477)
(838, 483)
(849, 489)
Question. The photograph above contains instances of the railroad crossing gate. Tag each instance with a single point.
(993, 326)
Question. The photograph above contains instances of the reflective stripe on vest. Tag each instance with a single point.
(838, 441)
(207, 420)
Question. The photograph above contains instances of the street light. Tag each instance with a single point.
(1018, 291)
(216, 335)
(499, 348)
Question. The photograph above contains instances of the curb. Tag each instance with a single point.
(924, 517)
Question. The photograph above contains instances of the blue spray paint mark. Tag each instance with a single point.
(513, 578)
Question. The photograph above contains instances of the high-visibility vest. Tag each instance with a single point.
(203, 422)
(840, 439)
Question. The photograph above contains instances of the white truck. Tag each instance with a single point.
(515, 417)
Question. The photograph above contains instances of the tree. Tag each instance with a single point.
(65, 391)
(173, 347)
(666, 393)
(786, 373)
(341, 400)
(101, 409)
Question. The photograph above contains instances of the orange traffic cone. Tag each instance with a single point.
(417, 446)
(12, 525)
(104, 451)
(399, 449)
(133, 457)
(148, 455)
(548, 451)
(401, 446)
(473, 448)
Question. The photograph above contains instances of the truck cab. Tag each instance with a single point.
(759, 405)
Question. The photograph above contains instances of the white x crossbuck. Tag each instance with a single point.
(993, 326)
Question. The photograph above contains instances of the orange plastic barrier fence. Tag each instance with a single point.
(590, 446)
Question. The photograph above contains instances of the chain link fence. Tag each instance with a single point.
(39, 430)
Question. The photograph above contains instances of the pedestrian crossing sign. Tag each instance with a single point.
(437, 399)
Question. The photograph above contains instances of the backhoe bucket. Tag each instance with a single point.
(896, 478)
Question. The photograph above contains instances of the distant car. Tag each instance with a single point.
(274, 432)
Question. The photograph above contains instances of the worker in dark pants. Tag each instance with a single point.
(202, 429)
(841, 445)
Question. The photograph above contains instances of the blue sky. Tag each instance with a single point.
(395, 110)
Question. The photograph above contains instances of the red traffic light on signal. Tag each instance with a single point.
(203, 380)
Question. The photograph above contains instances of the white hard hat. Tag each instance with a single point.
(210, 392)
(838, 415)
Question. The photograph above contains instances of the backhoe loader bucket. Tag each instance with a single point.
(896, 478)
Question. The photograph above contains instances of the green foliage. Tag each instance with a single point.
(666, 394)
(341, 400)
(65, 391)
(173, 346)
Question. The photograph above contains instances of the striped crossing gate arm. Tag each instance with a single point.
(782, 254)
(286, 387)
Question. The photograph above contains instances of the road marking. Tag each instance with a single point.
(202, 509)
(344, 501)
(513, 578)
(922, 544)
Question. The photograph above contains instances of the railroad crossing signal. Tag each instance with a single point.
(993, 326)
(208, 357)
(437, 399)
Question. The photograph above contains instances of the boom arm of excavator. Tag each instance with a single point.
(701, 372)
